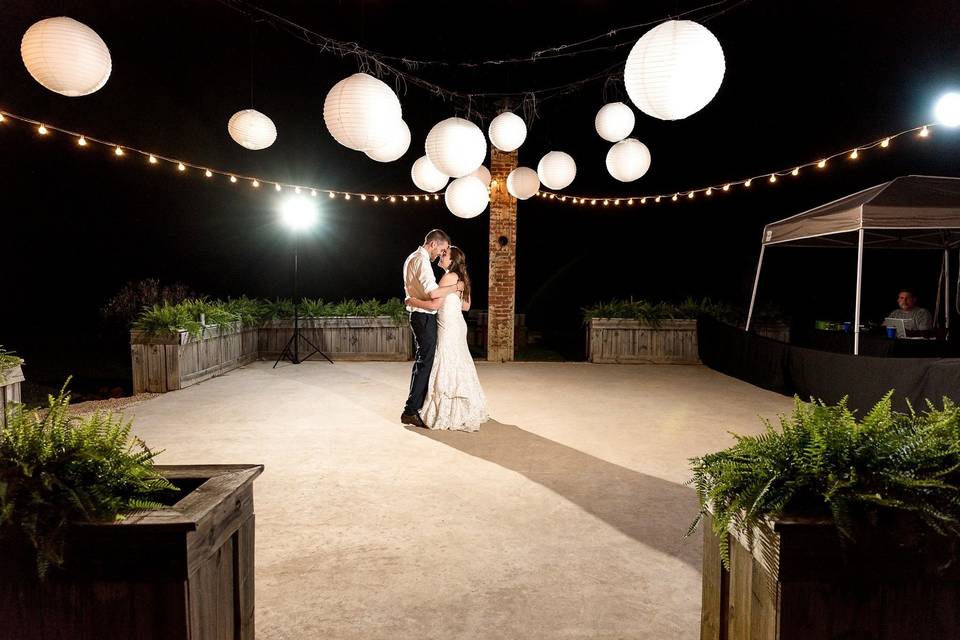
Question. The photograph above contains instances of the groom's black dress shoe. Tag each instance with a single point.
(412, 419)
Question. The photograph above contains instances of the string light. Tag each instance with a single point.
(119, 150)
(616, 203)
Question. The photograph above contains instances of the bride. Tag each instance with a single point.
(454, 399)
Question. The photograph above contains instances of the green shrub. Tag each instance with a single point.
(653, 313)
(8, 361)
(56, 470)
(162, 319)
(822, 460)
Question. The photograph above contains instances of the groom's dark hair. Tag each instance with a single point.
(436, 235)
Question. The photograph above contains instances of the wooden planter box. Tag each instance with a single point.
(798, 581)
(779, 331)
(174, 361)
(180, 573)
(10, 390)
(621, 340)
(343, 338)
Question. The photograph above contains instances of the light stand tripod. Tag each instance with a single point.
(292, 349)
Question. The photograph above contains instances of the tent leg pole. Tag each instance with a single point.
(856, 311)
(756, 281)
(946, 289)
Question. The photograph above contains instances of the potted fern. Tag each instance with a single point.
(99, 542)
(833, 526)
(639, 331)
(11, 377)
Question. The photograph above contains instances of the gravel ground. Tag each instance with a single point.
(116, 405)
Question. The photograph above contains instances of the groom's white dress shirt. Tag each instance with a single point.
(418, 279)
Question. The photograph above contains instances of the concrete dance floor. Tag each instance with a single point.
(563, 518)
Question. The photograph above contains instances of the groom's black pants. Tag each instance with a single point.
(424, 327)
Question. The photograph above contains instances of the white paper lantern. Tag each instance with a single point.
(483, 174)
(557, 170)
(456, 147)
(251, 129)
(674, 70)
(628, 160)
(362, 113)
(466, 197)
(507, 131)
(394, 149)
(614, 121)
(426, 176)
(66, 56)
(523, 183)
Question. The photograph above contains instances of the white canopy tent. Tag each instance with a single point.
(919, 212)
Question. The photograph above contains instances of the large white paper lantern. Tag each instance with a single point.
(426, 176)
(456, 147)
(557, 170)
(394, 149)
(251, 129)
(483, 174)
(614, 121)
(66, 56)
(362, 113)
(466, 197)
(674, 70)
(523, 183)
(507, 131)
(628, 160)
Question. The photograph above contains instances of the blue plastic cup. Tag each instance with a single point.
(891, 332)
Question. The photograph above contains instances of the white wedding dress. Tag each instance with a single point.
(454, 399)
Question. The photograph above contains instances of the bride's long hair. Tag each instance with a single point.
(458, 265)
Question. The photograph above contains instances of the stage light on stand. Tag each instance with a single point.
(947, 109)
(298, 213)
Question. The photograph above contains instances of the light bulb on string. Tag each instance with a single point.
(346, 196)
(153, 160)
(822, 164)
(748, 183)
(42, 130)
(709, 191)
(363, 197)
(181, 167)
(82, 141)
(208, 173)
(675, 197)
(726, 187)
(118, 151)
(593, 202)
(643, 201)
(795, 172)
(690, 195)
(277, 187)
(630, 201)
(233, 178)
(924, 132)
(885, 143)
(313, 193)
(256, 183)
(376, 198)
(773, 177)
(296, 190)
(657, 199)
(404, 198)
(2, 119)
(855, 154)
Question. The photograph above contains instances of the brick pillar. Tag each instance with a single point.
(503, 258)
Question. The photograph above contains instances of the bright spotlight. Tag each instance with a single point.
(947, 110)
(298, 213)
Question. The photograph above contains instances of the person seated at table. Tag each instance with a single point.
(908, 310)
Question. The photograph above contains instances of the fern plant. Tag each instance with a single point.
(654, 313)
(56, 471)
(822, 460)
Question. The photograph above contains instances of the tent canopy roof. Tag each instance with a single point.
(918, 211)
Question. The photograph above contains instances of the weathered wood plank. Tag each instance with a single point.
(712, 621)
(617, 340)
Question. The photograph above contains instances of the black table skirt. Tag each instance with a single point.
(811, 373)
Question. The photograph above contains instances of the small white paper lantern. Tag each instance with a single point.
(507, 131)
(674, 70)
(66, 56)
(523, 183)
(483, 174)
(394, 149)
(466, 197)
(557, 170)
(614, 121)
(456, 147)
(251, 129)
(361, 112)
(628, 160)
(426, 176)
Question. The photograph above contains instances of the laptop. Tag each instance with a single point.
(901, 325)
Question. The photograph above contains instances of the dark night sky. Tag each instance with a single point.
(804, 79)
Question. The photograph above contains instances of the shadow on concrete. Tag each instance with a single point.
(650, 510)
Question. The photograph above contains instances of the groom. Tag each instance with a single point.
(419, 282)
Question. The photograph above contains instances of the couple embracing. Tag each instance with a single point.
(445, 392)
